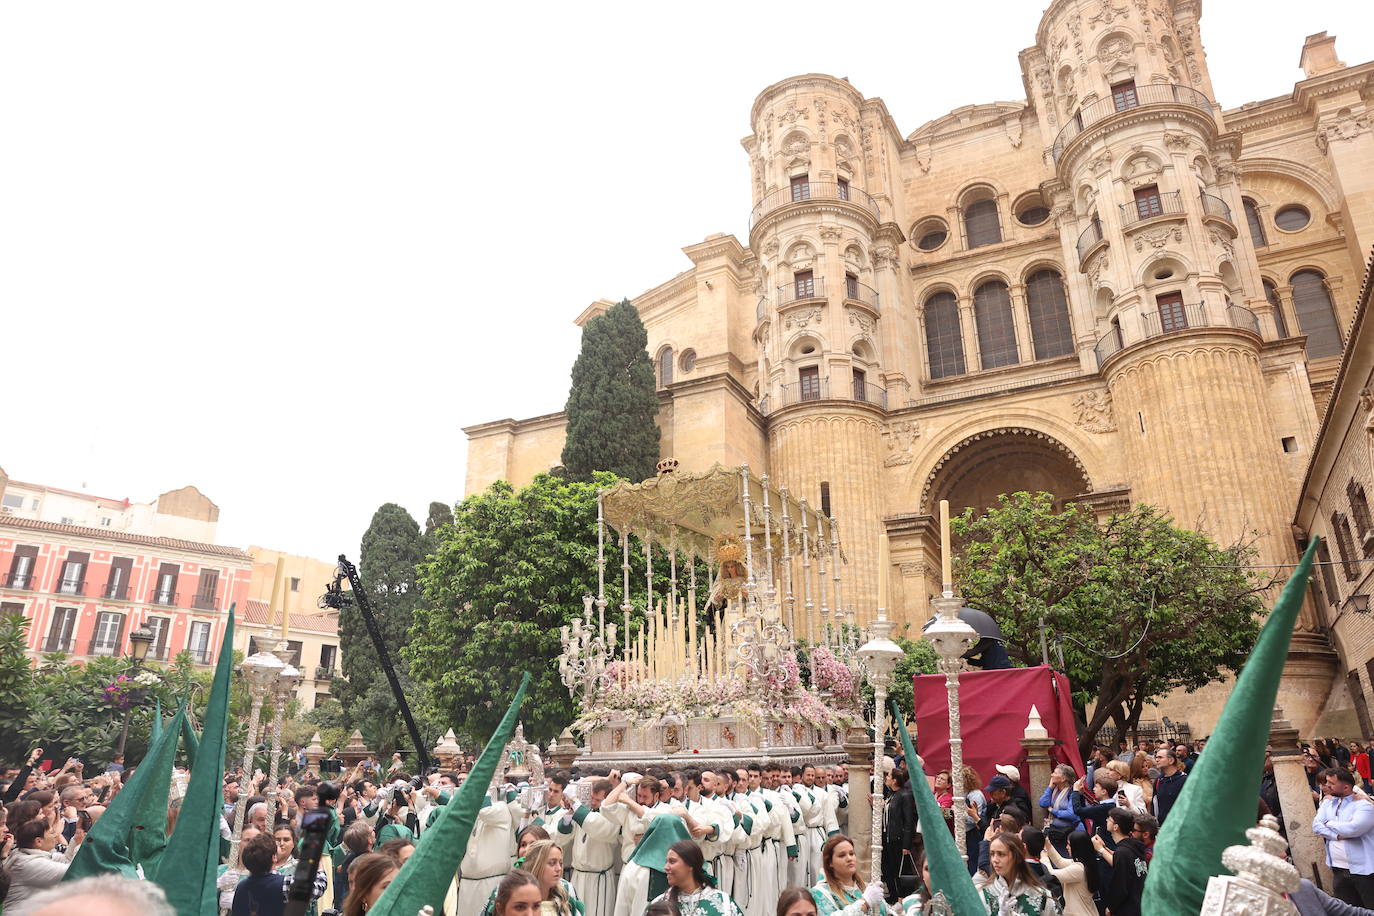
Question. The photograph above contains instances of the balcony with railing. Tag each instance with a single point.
(1088, 238)
(1141, 97)
(200, 657)
(114, 592)
(21, 581)
(1176, 317)
(163, 597)
(58, 644)
(800, 290)
(812, 190)
(861, 293)
(1215, 206)
(69, 586)
(324, 673)
(1169, 203)
(203, 602)
(820, 389)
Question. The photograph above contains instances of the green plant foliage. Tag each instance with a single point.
(613, 400)
(1138, 606)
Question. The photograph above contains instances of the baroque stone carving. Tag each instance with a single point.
(1112, 51)
(864, 323)
(792, 114)
(830, 233)
(1158, 238)
(885, 256)
(1142, 170)
(900, 437)
(1101, 162)
(1092, 410)
(1096, 268)
(803, 318)
(1344, 126)
(912, 570)
(1108, 14)
(1014, 133)
(1223, 243)
(1177, 141)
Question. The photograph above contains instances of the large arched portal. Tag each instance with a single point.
(972, 474)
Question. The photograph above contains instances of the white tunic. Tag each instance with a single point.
(595, 851)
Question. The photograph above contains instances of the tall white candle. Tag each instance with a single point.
(945, 560)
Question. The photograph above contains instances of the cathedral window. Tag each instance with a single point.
(944, 339)
(1123, 95)
(1316, 314)
(801, 187)
(1359, 508)
(996, 329)
(665, 367)
(842, 189)
(1172, 315)
(1148, 202)
(1048, 310)
(860, 385)
(825, 498)
(1333, 594)
(1252, 217)
(1271, 295)
(804, 284)
(981, 224)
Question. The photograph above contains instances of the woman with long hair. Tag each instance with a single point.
(1140, 775)
(690, 891)
(1013, 887)
(524, 840)
(517, 895)
(797, 901)
(544, 860)
(1128, 794)
(842, 889)
(34, 865)
(369, 875)
(1077, 875)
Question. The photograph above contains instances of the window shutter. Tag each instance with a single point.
(1147, 202)
(1124, 95)
(996, 330)
(980, 222)
(809, 379)
(944, 337)
(1316, 314)
(1172, 315)
(119, 635)
(1048, 308)
(95, 634)
(1252, 218)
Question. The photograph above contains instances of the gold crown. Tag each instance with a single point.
(666, 466)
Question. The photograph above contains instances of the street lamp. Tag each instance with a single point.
(283, 691)
(140, 641)
(260, 670)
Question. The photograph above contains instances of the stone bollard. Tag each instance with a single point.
(860, 750)
(1306, 849)
(1037, 742)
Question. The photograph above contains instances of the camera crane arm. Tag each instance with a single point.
(335, 597)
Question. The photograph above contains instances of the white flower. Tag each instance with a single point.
(147, 679)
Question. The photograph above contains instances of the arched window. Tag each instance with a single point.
(665, 367)
(996, 330)
(1256, 226)
(1316, 314)
(1051, 331)
(1340, 529)
(944, 340)
(980, 223)
(1359, 508)
(1271, 295)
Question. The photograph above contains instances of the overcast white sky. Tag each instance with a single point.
(285, 250)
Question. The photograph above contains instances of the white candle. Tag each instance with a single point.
(884, 562)
(945, 574)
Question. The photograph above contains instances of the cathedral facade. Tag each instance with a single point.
(1114, 290)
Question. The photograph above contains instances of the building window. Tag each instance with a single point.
(21, 567)
(980, 223)
(207, 589)
(1252, 217)
(803, 284)
(1340, 529)
(105, 521)
(801, 187)
(996, 329)
(1316, 314)
(809, 380)
(165, 590)
(109, 628)
(1292, 218)
(860, 385)
(1048, 308)
(944, 337)
(1123, 96)
(329, 657)
(12, 501)
(1333, 594)
(160, 627)
(842, 189)
(61, 631)
(1359, 508)
(665, 367)
(1172, 315)
(825, 498)
(72, 581)
(851, 286)
(687, 361)
(1148, 202)
(1271, 295)
(117, 585)
(198, 642)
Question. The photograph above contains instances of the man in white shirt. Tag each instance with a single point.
(595, 850)
(1346, 820)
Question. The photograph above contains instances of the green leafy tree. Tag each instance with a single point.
(16, 678)
(440, 516)
(613, 400)
(1137, 606)
(392, 546)
(504, 577)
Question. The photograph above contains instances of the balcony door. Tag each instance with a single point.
(109, 628)
(1124, 96)
(73, 578)
(801, 187)
(61, 630)
(810, 380)
(1172, 315)
(1148, 202)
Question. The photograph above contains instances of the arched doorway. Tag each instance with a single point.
(1009, 459)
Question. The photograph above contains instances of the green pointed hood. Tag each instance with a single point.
(133, 830)
(652, 852)
(188, 868)
(947, 870)
(425, 879)
(1217, 804)
(156, 728)
(190, 742)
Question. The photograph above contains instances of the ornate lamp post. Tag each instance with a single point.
(140, 641)
(261, 670)
(283, 691)
(880, 657)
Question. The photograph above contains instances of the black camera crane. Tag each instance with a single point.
(335, 597)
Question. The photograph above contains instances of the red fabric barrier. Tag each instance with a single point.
(993, 708)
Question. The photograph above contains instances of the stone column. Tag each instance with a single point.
(1307, 850)
(1020, 316)
(968, 329)
(1037, 742)
(860, 751)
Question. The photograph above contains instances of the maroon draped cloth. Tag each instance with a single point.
(993, 709)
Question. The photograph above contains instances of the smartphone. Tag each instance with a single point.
(45, 765)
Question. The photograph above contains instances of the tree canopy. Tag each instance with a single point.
(613, 400)
(1137, 606)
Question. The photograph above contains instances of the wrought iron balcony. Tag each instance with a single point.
(170, 599)
(71, 587)
(1215, 206)
(21, 581)
(52, 644)
(1174, 318)
(1144, 96)
(812, 190)
(205, 602)
(116, 593)
(323, 673)
(860, 292)
(820, 389)
(801, 289)
(1089, 237)
(1143, 208)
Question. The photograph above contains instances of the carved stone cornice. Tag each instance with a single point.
(817, 82)
(814, 208)
(1131, 117)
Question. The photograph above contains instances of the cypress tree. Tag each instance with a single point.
(613, 400)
